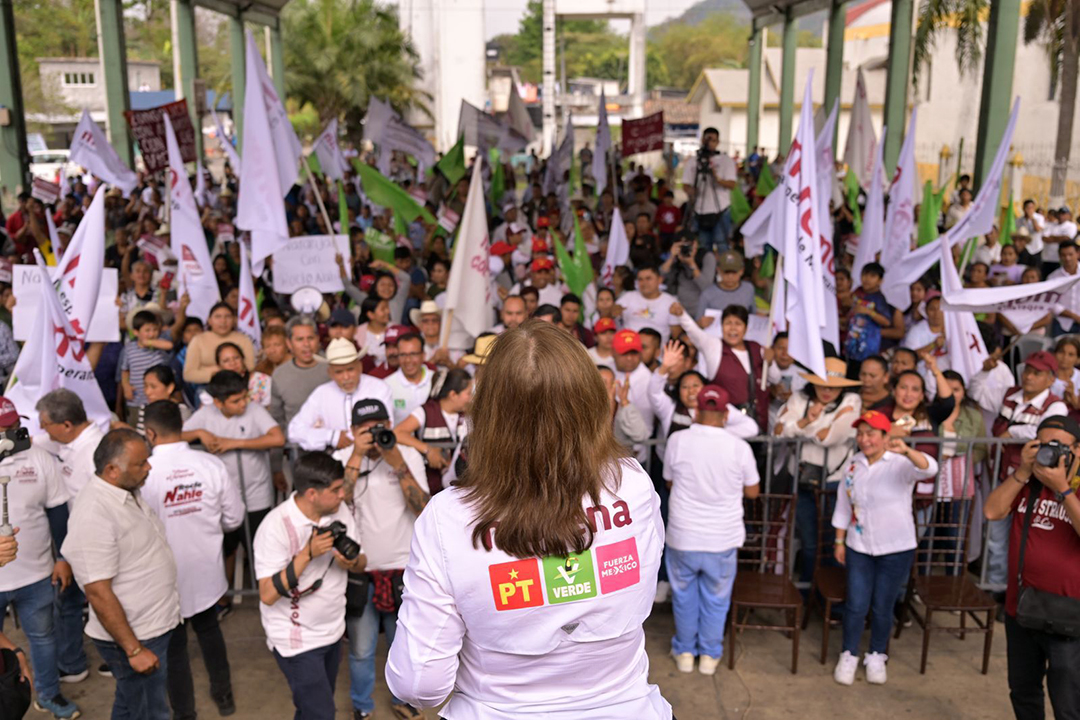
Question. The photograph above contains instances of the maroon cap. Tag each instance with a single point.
(396, 332)
(8, 414)
(874, 419)
(1042, 360)
(604, 325)
(713, 398)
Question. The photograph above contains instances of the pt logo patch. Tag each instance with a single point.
(516, 585)
(569, 577)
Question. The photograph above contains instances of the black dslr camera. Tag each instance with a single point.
(344, 544)
(384, 437)
(1050, 453)
(14, 441)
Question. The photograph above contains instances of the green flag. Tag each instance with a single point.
(768, 263)
(314, 164)
(765, 182)
(740, 206)
(566, 264)
(381, 244)
(498, 178)
(1007, 224)
(851, 185)
(452, 164)
(928, 215)
(388, 194)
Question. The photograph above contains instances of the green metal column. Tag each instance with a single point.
(186, 64)
(110, 22)
(896, 82)
(753, 100)
(834, 59)
(14, 157)
(787, 83)
(277, 60)
(997, 85)
(236, 52)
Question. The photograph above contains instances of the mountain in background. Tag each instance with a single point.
(693, 15)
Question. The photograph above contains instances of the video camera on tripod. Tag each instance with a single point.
(11, 442)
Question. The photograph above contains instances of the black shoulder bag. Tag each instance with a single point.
(14, 693)
(1038, 609)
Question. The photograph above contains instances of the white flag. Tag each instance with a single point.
(247, 320)
(187, 240)
(900, 216)
(226, 144)
(603, 146)
(200, 184)
(92, 150)
(558, 164)
(483, 131)
(329, 152)
(520, 122)
(618, 248)
(78, 276)
(384, 127)
(286, 146)
(260, 207)
(826, 178)
(468, 291)
(964, 343)
(778, 304)
(54, 357)
(757, 231)
(871, 241)
(54, 236)
(859, 151)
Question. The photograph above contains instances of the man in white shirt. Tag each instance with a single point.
(193, 495)
(302, 579)
(1064, 230)
(122, 560)
(411, 384)
(647, 306)
(1034, 223)
(513, 313)
(629, 369)
(542, 277)
(323, 420)
(389, 489)
(708, 180)
(1069, 255)
(705, 528)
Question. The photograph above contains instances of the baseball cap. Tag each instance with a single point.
(1058, 422)
(396, 332)
(341, 351)
(539, 246)
(542, 221)
(502, 248)
(1042, 360)
(604, 325)
(730, 260)
(342, 317)
(874, 419)
(713, 398)
(1065, 209)
(626, 341)
(8, 414)
(368, 409)
(542, 263)
(517, 227)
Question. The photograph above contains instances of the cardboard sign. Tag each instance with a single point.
(45, 191)
(643, 135)
(26, 285)
(308, 261)
(225, 233)
(156, 250)
(448, 219)
(148, 129)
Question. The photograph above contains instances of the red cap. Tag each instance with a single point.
(930, 295)
(8, 414)
(713, 398)
(874, 419)
(542, 221)
(1042, 360)
(626, 341)
(539, 246)
(396, 332)
(367, 282)
(502, 248)
(542, 263)
(604, 325)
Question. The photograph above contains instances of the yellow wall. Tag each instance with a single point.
(1038, 188)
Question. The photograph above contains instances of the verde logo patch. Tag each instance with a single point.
(570, 577)
(399, 402)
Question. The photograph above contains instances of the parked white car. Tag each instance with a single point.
(46, 164)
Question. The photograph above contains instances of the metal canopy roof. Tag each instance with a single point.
(263, 12)
(770, 12)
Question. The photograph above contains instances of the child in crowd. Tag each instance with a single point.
(140, 354)
(871, 314)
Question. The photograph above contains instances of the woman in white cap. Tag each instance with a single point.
(529, 581)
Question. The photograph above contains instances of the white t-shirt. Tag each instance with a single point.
(711, 197)
(36, 484)
(77, 458)
(743, 356)
(298, 624)
(608, 361)
(407, 395)
(1058, 388)
(258, 488)
(1050, 250)
(639, 313)
(457, 429)
(384, 519)
(197, 501)
(919, 336)
(1070, 298)
(706, 510)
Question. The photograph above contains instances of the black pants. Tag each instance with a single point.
(311, 676)
(212, 644)
(235, 538)
(1032, 655)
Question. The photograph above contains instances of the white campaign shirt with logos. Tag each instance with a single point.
(192, 493)
(563, 633)
(328, 412)
(36, 484)
(297, 624)
(77, 458)
(640, 313)
(258, 490)
(383, 518)
(706, 507)
(408, 395)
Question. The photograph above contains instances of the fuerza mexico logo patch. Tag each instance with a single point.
(570, 577)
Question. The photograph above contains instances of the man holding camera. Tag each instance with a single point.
(389, 489)
(1042, 603)
(708, 182)
(302, 563)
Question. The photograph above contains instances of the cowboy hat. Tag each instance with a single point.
(481, 350)
(836, 375)
(428, 307)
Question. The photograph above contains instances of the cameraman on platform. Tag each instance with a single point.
(708, 182)
(302, 577)
(388, 489)
(1042, 601)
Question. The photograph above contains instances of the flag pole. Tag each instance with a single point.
(448, 320)
(322, 207)
(614, 178)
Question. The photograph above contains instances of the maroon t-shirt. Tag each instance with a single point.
(667, 218)
(1050, 561)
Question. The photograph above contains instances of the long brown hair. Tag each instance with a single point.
(540, 443)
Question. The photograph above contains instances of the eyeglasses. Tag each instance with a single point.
(410, 355)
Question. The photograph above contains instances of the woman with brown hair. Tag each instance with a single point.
(530, 579)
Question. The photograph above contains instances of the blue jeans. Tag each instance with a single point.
(806, 530)
(997, 551)
(363, 637)
(138, 696)
(872, 581)
(68, 616)
(311, 677)
(717, 236)
(701, 585)
(34, 604)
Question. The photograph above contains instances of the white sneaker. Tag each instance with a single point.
(707, 664)
(845, 668)
(663, 590)
(875, 668)
(684, 662)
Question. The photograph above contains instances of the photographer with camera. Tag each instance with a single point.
(388, 489)
(689, 271)
(708, 182)
(303, 553)
(1042, 602)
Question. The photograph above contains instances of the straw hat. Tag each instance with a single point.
(836, 375)
(152, 307)
(481, 350)
(428, 307)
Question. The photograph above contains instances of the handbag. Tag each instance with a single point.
(1039, 609)
(14, 693)
(707, 221)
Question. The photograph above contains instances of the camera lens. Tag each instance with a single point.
(348, 547)
(384, 438)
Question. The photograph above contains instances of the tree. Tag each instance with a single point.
(341, 53)
(937, 16)
(717, 41)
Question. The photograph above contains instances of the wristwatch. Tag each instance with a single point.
(1061, 496)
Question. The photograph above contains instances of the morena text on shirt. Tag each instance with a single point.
(608, 519)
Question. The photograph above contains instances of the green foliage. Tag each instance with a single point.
(720, 40)
(963, 16)
(803, 38)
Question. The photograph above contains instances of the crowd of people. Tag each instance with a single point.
(321, 445)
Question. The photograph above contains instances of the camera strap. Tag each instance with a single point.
(1033, 495)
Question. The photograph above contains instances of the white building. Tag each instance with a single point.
(80, 82)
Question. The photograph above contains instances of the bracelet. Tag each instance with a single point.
(18, 650)
(839, 541)
(1066, 494)
(1022, 482)
(135, 652)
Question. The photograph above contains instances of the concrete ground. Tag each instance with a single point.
(760, 687)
